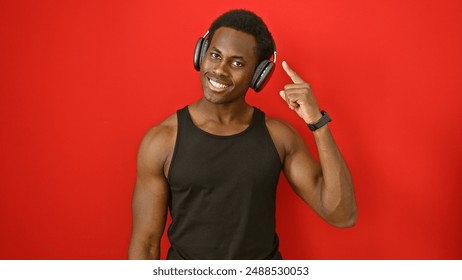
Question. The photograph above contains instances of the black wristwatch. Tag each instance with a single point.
(321, 122)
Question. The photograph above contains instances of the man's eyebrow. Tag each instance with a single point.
(234, 56)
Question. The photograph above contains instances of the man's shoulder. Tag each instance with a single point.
(163, 133)
(167, 125)
(285, 137)
(279, 126)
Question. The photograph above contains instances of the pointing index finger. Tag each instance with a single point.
(291, 73)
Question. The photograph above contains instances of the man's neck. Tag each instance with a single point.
(228, 113)
(221, 119)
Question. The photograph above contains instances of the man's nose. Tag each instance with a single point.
(221, 68)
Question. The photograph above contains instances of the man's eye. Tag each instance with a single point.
(214, 55)
(237, 64)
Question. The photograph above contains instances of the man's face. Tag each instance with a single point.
(228, 65)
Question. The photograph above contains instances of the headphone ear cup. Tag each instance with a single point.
(262, 74)
(205, 47)
(199, 52)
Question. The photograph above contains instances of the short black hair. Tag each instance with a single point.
(248, 22)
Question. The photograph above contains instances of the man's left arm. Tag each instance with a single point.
(326, 186)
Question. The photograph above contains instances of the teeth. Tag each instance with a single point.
(217, 85)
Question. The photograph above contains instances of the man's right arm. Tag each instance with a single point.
(151, 193)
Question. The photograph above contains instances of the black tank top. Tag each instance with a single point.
(223, 193)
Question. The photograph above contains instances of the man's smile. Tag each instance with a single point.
(217, 84)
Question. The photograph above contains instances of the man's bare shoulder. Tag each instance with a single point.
(159, 140)
(163, 131)
(280, 127)
(284, 136)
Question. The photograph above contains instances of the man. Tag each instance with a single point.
(215, 163)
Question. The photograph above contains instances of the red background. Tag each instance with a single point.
(82, 81)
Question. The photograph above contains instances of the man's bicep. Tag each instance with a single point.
(303, 173)
(150, 196)
(149, 211)
(149, 207)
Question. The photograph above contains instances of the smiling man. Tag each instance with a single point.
(216, 163)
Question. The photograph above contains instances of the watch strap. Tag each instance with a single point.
(321, 122)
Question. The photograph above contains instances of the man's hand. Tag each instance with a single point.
(299, 97)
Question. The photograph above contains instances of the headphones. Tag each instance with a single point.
(262, 73)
